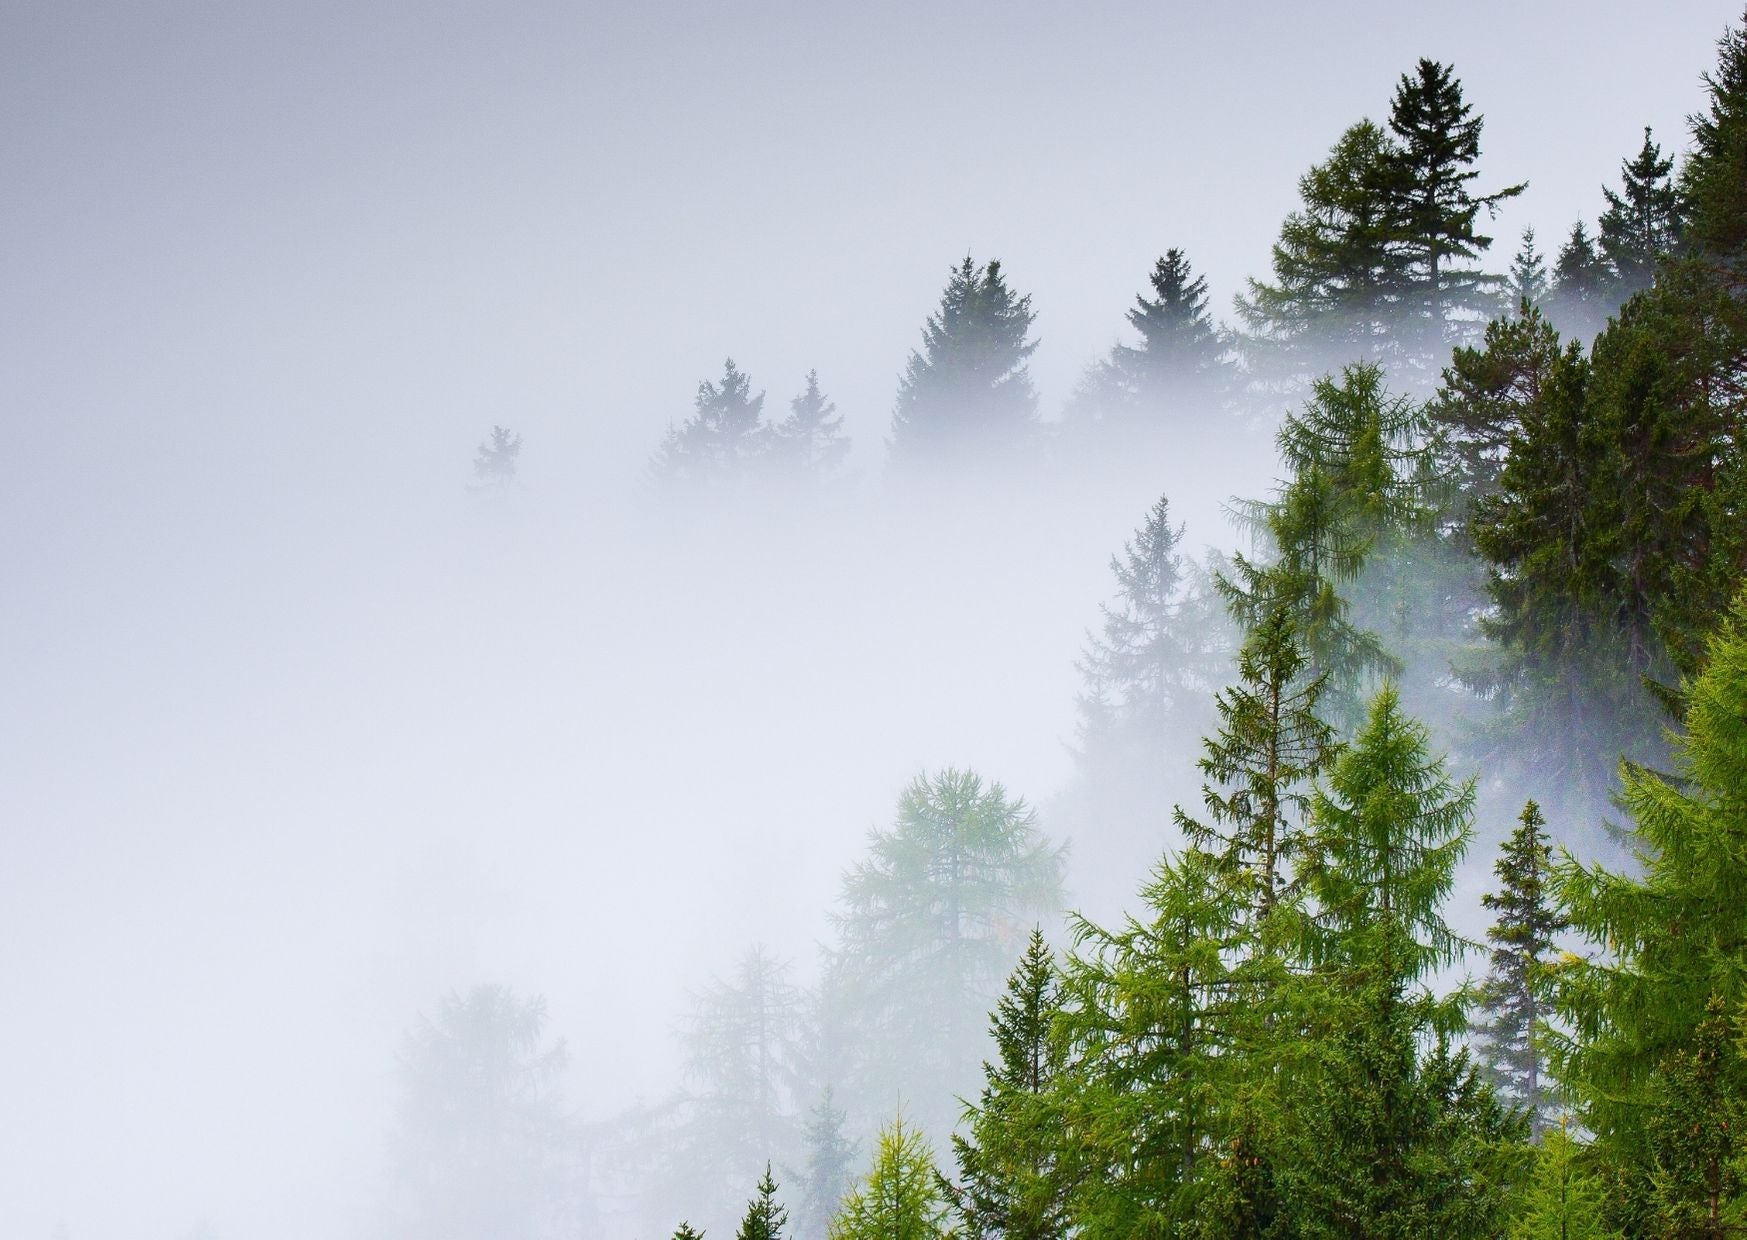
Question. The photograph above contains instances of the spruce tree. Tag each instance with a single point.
(1580, 300)
(685, 1231)
(1433, 207)
(1259, 766)
(1338, 270)
(1509, 999)
(809, 444)
(1642, 222)
(723, 443)
(1181, 359)
(1528, 282)
(1667, 936)
(967, 393)
(765, 1217)
(901, 1198)
(1010, 1179)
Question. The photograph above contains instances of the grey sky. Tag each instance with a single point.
(292, 743)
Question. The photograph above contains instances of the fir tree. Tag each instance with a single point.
(686, 1231)
(1668, 937)
(1337, 269)
(723, 443)
(494, 465)
(1433, 207)
(1642, 223)
(1270, 746)
(1010, 1179)
(901, 1197)
(809, 443)
(1580, 301)
(829, 1172)
(1479, 408)
(765, 1218)
(1181, 359)
(1528, 283)
(967, 393)
(1522, 940)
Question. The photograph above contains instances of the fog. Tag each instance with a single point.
(301, 733)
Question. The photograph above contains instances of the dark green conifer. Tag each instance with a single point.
(1010, 1179)
(1528, 282)
(765, 1217)
(1713, 182)
(1642, 222)
(967, 394)
(1522, 942)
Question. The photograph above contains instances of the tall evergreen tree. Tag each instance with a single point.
(1011, 1182)
(928, 926)
(1563, 1198)
(1434, 209)
(1698, 1105)
(1181, 362)
(765, 1217)
(901, 1197)
(1528, 281)
(1259, 766)
(1337, 268)
(1522, 943)
(1580, 300)
(1642, 222)
(1154, 1011)
(967, 393)
(723, 443)
(1667, 937)
(685, 1231)
(809, 443)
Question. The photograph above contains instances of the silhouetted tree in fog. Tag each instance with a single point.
(494, 465)
(723, 443)
(966, 395)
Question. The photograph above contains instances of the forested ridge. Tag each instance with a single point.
(1507, 537)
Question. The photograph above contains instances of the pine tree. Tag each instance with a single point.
(1010, 1179)
(494, 465)
(809, 443)
(723, 443)
(1433, 207)
(1563, 1199)
(1580, 301)
(1642, 223)
(765, 1218)
(1668, 937)
(1337, 268)
(1153, 1010)
(1270, 746)
(928, 927)
(1522, 942)
(967, 394)
(901, 1197)
(1528, 282)
(829, 1173)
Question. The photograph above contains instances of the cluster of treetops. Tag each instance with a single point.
(1273, 1046)
(1266, 1050)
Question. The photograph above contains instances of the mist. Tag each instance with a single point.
(304, 732)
